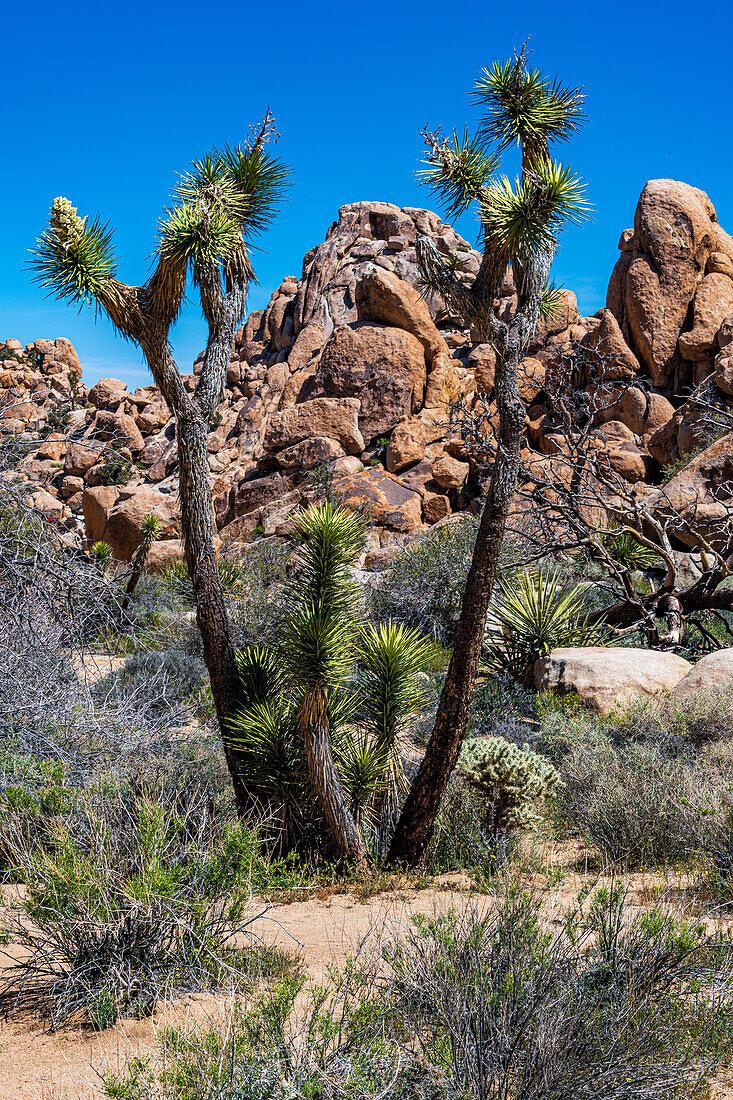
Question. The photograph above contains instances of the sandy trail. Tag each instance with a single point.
(67, 1065)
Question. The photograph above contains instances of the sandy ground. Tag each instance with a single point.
(68, 1065)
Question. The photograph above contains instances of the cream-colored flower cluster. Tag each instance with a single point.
(65, 222)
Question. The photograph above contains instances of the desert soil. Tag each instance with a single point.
(69, 1064)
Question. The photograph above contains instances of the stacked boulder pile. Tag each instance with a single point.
(351, 367)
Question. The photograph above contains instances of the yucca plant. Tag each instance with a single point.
(326, 707)
(101, 553)
(626, 549)
(531, 614)
(220, 205)
(390, 693)
(519, 223)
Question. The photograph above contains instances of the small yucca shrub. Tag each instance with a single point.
(531, 614)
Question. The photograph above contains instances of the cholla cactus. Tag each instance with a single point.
(512, 781)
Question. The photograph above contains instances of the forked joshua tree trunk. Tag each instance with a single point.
(519, 225)
(229, 196)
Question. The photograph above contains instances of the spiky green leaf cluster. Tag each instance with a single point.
(73, 258)
(551, 301)
(390, 690)
(457, 170)
(527, 215)
(513, 782)
(524, 106)
(227, 198)
(531, 614)
(520, 106)
(625, 549)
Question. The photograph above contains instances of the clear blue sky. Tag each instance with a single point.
(104, 103)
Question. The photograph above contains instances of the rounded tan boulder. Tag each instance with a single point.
(712, 673)
(108, 393)
(607, 679)
(382, 297)
(406, 446)
(449, 472)
(116, 515)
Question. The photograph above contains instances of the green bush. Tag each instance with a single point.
(128, 901)
(473, 1006)
(423, 586)
(610, 1007)
(158, 681)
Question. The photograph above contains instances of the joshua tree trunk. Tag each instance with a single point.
(417, 819)
(324, 777)
(211, 613)
(193, 413)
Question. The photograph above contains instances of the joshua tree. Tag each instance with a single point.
(227, 198)
(519, 224)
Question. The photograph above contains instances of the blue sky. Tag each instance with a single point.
(106, 103)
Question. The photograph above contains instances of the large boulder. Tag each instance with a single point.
(609, 679)
(322, 416)
(118, 427)
(710, 674)
(116, 515)
(383, 367)
(608, 351)
(697, 500)
(382, 297)
(713, 302)
(406, 445)
(657, 274)
(387, 499)
(108, 393)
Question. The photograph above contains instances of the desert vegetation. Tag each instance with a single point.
(447, 627)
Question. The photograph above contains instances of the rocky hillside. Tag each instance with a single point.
(350, 366)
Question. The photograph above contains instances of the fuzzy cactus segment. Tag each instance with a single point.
(512, 781)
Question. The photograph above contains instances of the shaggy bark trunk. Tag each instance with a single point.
(325, 781)
(417, 820)
(211, 613)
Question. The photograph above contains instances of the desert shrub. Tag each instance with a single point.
(160, 682)
(694, 720)
(256, 616)
(128, 901)
(530, 614)
(653, 785)
(512, 782)
(116, 469)
(423, 586)
(627, 800)
(608, 1008)
(336, 1043)
(503, 708)
(461, 839)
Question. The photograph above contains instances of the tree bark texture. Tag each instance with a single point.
(417, 820)
(325, 781)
